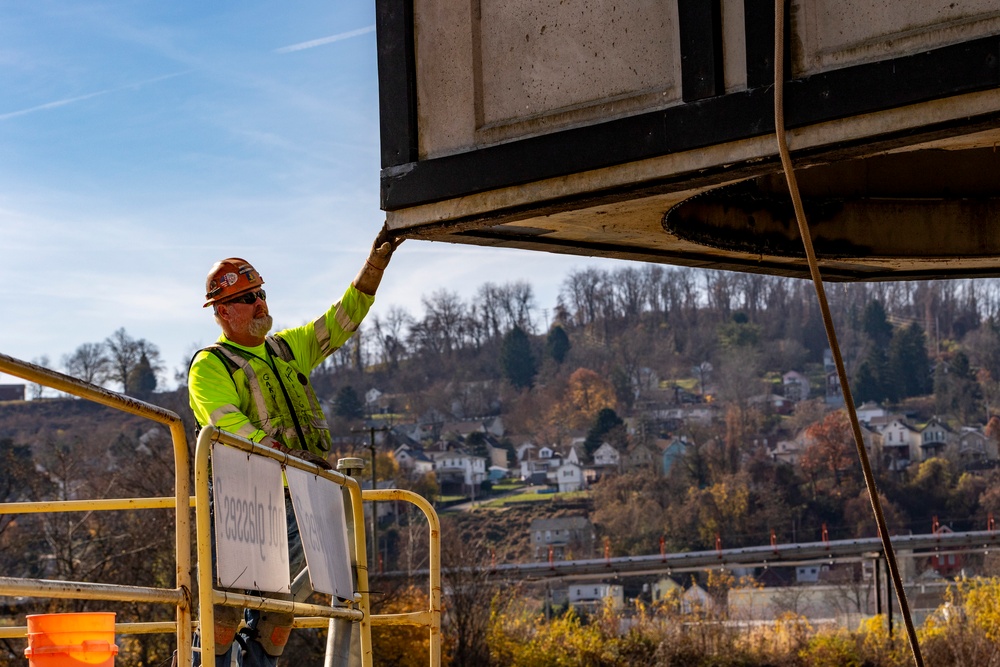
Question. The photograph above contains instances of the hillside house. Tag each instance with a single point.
(665, 591)
(12, 392)
(461, 430)
(565, 537)
(773, 404)
(498, 456)
(788, 451)
(696, 600)
(372, 397)
(795, 386)
(591, 596)
(868, 411)
(935, 436)
(458, 472)
(567, 477)
(975, 447)
(900, 444)
(606, 456)
(672, 453)
(642, 456)
(413, 460)
(698, 413)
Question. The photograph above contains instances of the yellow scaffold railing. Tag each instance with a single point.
(181, 596)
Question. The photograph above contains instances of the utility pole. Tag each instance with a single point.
(371, 446)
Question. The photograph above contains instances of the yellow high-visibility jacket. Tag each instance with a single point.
(263, 392)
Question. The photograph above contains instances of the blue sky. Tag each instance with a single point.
(141, 141)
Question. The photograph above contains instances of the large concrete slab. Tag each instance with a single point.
(619, 128)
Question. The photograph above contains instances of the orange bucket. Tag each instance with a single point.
(71, 640)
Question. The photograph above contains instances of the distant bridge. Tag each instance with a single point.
(854, 550)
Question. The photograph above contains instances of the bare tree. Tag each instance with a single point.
(125, 354)
(35, 390)
(390, 335)
(441, 329)
(89, 363)
(580, 294)
(469, 589)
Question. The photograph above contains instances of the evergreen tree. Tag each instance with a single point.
(866, 384)
(142, 378)
(814, 334)
(956, 390)
(876, 325)
(605, 421)
(477, 444)
(516, 359)
(557, 343)
(348, 404)
(909, 365)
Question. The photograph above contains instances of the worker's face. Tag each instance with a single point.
(247, 318)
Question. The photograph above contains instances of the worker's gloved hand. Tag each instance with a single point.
(306, 455)
(382, 248)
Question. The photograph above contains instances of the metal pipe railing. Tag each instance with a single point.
(182, 494)
(307, 615)
(432, 617)
(208, 595)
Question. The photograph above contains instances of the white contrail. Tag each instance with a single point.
(80, 98)
(325, 40)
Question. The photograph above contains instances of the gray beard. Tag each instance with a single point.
(259, 326)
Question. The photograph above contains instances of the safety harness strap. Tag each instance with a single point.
(252, 383)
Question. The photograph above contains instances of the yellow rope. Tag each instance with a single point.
(800, 216)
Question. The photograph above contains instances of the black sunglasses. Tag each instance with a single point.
(248, 298)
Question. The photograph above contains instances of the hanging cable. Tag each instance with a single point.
(800, 216)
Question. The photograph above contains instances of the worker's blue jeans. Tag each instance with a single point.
(249, 651)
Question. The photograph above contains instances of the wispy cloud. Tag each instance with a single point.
(325, 40)
(70, 100)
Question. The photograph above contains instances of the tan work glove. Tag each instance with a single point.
(370, 276)
(306, 455)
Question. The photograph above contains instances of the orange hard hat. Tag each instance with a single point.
(228, 278)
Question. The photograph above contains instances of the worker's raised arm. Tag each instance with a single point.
(370, 275)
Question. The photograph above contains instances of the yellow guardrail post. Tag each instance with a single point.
(181, 501)
(432, 617)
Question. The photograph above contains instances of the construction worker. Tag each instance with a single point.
(256, 386)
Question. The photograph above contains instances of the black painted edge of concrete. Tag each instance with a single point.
(406, 181)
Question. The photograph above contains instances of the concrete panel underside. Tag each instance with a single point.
(920, 204)
(645, 130)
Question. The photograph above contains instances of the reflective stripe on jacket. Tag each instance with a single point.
(243, 389)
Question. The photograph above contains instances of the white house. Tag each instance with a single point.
(607, 456)
(413, 459)
(372, 396)
(458, 468)
(534, 471)
(901, 444)
(568, 454)
(868, 411)
(592, 595)
(568, 477)
(696, 600)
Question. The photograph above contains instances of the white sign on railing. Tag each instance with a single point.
(319, 511)
(251, 535)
